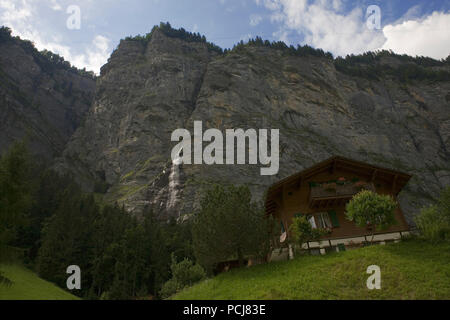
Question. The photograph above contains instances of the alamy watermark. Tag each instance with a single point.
(74, 280)
(73, 22)
(373, 17)
(216, 152)
(374, 281)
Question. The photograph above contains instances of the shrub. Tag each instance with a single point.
(184, 274)
(369, 208)
(169, 288)
(302, 231)
(433, 222)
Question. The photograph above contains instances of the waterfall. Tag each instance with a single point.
(174, 183)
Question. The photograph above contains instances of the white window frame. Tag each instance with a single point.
(323, 219)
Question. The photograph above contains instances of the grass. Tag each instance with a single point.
(28, 286)
(411, 269)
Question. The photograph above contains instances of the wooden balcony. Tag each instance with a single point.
(333, 195)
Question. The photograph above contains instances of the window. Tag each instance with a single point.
(323, 220)
(312, 221)
(333, 217)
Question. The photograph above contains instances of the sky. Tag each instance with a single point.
(85, 32)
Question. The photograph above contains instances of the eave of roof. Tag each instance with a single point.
(404, 178)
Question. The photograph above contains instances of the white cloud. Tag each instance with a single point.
(18, 15)
(324, 24)
(55, 5)
(95, 55)
(255, 19)
(429, 36)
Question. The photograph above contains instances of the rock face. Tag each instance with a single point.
(148, 89)
(40, 100)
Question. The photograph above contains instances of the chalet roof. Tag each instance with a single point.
(400, 179)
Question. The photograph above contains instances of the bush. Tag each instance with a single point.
(302, 231)
(369, 208)
(184, 274)
(433, 222)
(169, 288)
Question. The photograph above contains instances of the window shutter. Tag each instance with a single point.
(312, 221)
(334, 219)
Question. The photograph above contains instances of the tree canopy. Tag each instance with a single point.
(370, 209)
(229, 226)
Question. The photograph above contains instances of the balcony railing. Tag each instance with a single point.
(329, 194)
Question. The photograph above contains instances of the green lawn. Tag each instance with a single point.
(28, 286)
(410, 269)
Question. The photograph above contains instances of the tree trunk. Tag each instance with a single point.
(240, 257)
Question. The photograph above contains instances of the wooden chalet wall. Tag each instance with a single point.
(291, 196)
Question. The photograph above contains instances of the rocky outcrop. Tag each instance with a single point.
(40, 100)
(149, 88)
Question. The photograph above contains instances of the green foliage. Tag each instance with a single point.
(4, 281)
(300, 51)
(181, 33)
(15, 194)
(47, 219)
(184, 274)
(5, 34)
(15, 199)
(433, 222)
(47, 60)
(229, 226)
(116, 253)
(367, 65)
(368, 208)
(58, 225)
(302, 231)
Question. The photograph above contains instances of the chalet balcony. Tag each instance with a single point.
(327, 195)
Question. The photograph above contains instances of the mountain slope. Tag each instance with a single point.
(41, 97)
(152, 85)
(28, 286)
(409, 270)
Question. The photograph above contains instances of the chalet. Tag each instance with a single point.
(321, 193)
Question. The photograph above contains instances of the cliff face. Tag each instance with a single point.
(148, 89)
(39, 99)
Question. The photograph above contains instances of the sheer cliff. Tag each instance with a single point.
(42, 98)
(379, 112)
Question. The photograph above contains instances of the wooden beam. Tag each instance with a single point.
(333, 167)
(394, 184)
(374, 173)
(299, 182)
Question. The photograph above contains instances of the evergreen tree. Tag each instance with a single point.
(15, 198)
(229, 226)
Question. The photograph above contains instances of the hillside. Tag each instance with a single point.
(42, 97)
(409, 270)
(385, 109)
(28, 286)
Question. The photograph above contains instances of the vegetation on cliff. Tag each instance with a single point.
(47, 60)
(367, 65)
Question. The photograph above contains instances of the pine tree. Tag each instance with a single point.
(229, 226)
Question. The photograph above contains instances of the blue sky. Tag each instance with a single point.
(340, 26)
